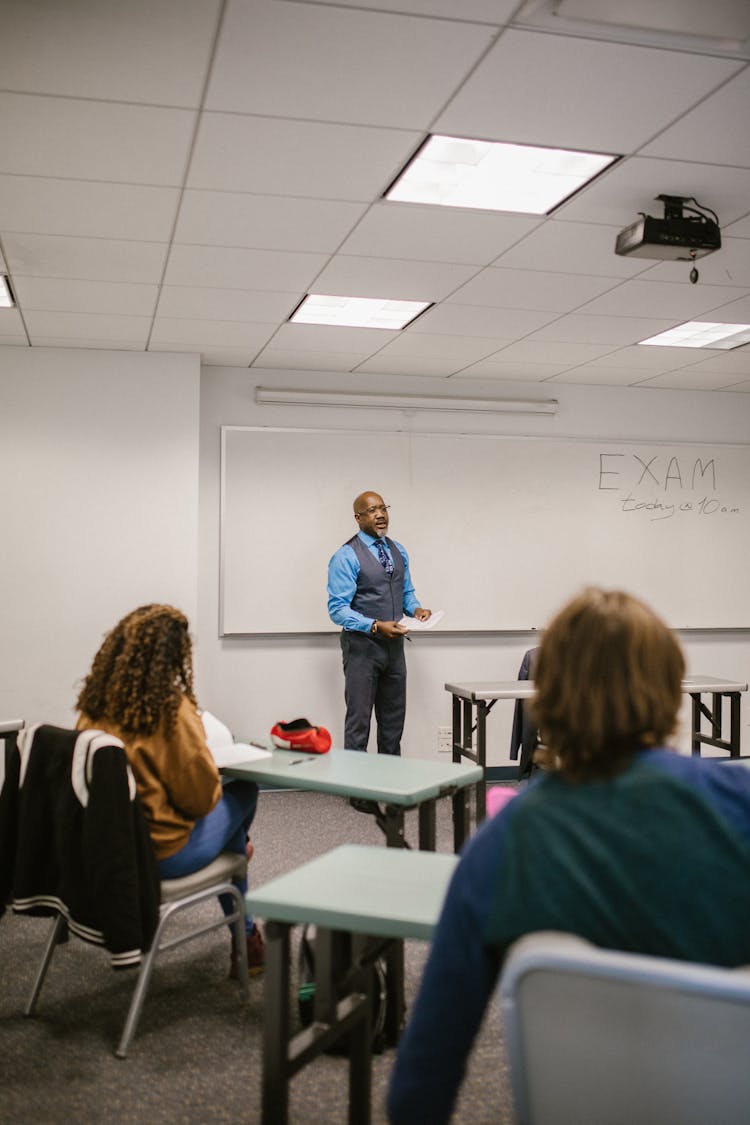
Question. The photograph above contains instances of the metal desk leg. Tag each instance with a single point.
(695, 741)
(275, 1081)
(392, 824)
(427, 831)
(457, 744)
(481, 789)
(460, 819)
(394, 993)
(734, 725)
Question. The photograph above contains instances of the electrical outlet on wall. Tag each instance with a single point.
(445, 740)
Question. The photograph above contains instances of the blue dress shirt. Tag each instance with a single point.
(343, 571)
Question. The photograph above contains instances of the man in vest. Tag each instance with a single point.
(369, 591)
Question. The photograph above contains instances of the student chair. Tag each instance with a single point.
(177, 895)
(76, 848)
(598, 1037)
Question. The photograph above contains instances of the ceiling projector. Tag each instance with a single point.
(676, 237)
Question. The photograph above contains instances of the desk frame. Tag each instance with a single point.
(345, 951)
(480, 698)
(319, 774)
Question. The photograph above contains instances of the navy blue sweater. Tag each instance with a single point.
(656, 861)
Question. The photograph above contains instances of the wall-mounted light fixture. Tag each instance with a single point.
(362, 400)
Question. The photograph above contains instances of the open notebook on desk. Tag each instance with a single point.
(225, 750)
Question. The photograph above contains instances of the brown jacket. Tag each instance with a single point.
(176, 776)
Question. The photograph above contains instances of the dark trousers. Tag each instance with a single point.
(374, 676)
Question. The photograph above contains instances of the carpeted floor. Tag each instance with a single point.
(197, 1053)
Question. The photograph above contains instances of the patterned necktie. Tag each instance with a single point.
(385, 561)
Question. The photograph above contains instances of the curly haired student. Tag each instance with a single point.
(140, 689)
(622, 841)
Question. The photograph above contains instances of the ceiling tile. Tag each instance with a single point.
(463, 348)
(93, 343)
(350, 276)
(721, 124)
(648, 358)
(614, 331)
(287, 359)
(740, 229)
(417, 365)
(139, 51)
(93, 259)
(228, 268)
(70, 325)
(251, 306)
(736, 362)
(571, 248)
(41, 136)
(557, 353)
(325, 338)
(690, 380)
(41, 205)
(728, 266)
(302, 158)
(395, 70)
(591, 375)
(484, 11)
(70, 295)
(638, 91)
(474, 320)
(435, 234)
(211, 333)
(632, 186)
(11, 325)
(531, 289)
(511, 372)
(661, 299)
(265, 221)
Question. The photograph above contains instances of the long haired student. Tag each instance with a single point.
(140, 689)
(622, 841)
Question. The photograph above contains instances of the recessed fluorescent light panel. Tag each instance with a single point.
(357, 312)
(6, 297)
(702, 334)
(493, 176)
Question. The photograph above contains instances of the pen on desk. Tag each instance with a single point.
(301, 761)
(258, 745)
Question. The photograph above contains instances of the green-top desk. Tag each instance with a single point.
(396, 783)
(481, 697)
(363, 901)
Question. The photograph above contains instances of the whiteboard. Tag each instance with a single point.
(499, 531)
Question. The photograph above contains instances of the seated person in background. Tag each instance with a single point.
(624, 842)
(140, 689)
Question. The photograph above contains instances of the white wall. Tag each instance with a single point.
(252, 682)
(100, 499)
(98, 508)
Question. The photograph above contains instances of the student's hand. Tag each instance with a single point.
(422, 614)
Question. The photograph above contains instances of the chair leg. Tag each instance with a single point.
(238, 930)
(237, 920)
(57, 934)
(139, 995)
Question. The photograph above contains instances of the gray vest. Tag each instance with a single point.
(378, 596)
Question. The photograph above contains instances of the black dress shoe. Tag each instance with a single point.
(362, 805)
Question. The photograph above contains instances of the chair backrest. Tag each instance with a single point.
(75, 841)
(597, 1037)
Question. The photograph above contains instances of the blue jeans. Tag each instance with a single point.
(224, 829)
